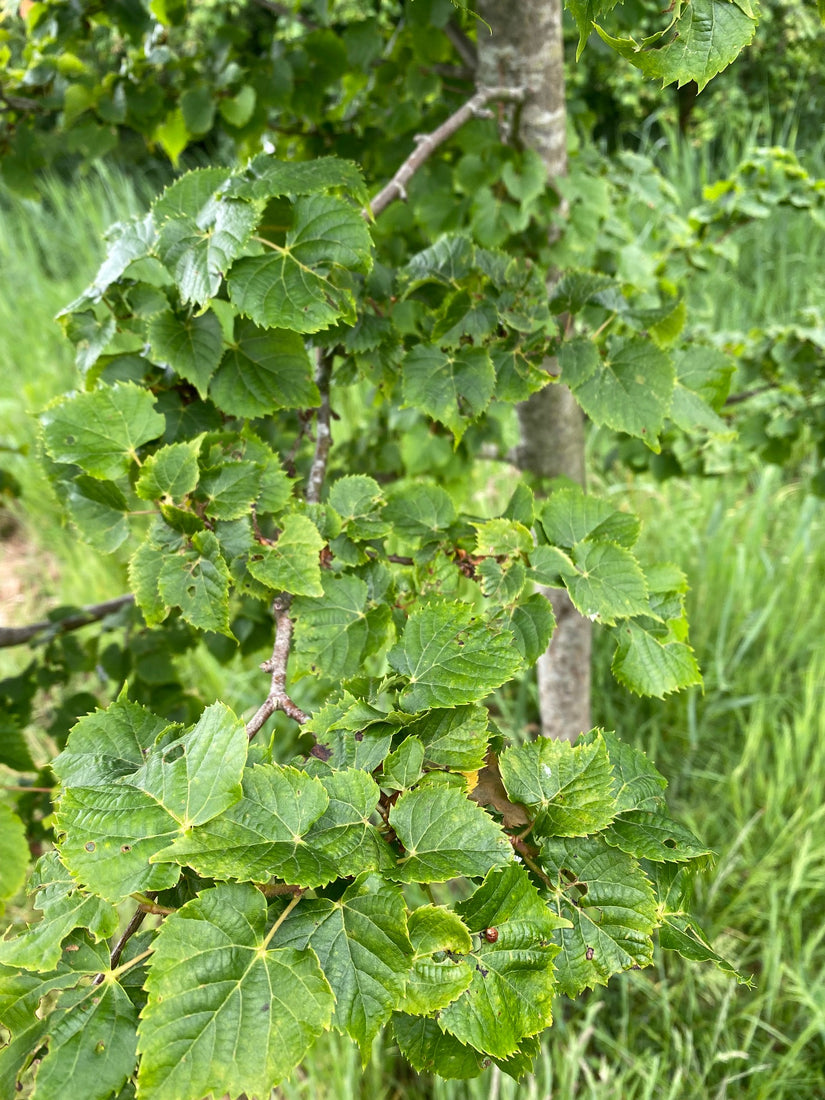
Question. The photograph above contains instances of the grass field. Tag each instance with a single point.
(745, 757)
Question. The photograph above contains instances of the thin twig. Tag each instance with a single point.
(277, 698)
(19, 635)
(138, 917)
(323, 433)
(746, 395)
(426, 144)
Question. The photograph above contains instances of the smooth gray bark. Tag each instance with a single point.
(525, 49)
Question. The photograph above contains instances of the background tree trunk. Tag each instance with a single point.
(525, 48)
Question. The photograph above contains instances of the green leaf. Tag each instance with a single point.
(437, 977)
(445, 835)
(680, 934)
(651, 665)
(264, 370)
(571, 515)
(420, 511)
(453, 387)
(97, 509)
(569, 788)
(215, 986)
(64, 908)
(358, 501)
(109, 743)
(145, 567)
(192, 345)
(198, 250)
(352, 733)
(606, 582)
(128, 241)
(648, 834)
(290, 286)
(707, 37)
(455, 738)
(362, 945)
(636, 783)
(197, 581)
(630, 390)
(304, 830)
(532, 623)
(331, 633)
(292, 564)
(102, 431)
(702, 383)
(230, 489)
(238, 109)
(198, 775)
(92, 1043)
(267, 178)
(573, 292)
(171, 472)
(404, 766)
(450, 657)
(610, 904)
(14, 856)
(429, 1050)
(513, 985)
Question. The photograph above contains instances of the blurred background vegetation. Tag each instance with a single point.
(745, 756)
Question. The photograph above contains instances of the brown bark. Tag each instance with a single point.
(523, 47)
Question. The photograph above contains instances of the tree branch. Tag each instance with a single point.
(323, 433)
(426, 144)
(19, 635)
(277, 698)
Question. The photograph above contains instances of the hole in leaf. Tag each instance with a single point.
(126, 848)
(70, 440)
(175, 753)
(90, 845)
(670, 842)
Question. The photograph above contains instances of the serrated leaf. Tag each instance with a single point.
(14, 856)
(266, 178)
(192, 345)
(98, 511)
(292, 564)
(109, 743)
(92, 1043)
(198, 250)
(330, 633)
(513, 986)
(449, 658)
(572, 293)
(630, 390)
(215, 986)
(707, 37)
(305, 830)
(362, 945)
(702, 376)
(606, 582)
(437, 976)
(420, 511)
(453, 387)
(637, 785)
(454, 738)
(145, 567)
(680, 934)
(648, 834)
(127, 242)
(264, 370)
(170, 472)
(230, 489)
(198, 775)
(651, 665)
(571, 515)
(64, 908)
(102, 431)
(197, 581)
(569, 787)
(444, 836)
(429, 1050)
(289, 286)
(358, 500)
(404, 766)
(611, 905)
(532, 623)
(350, 734)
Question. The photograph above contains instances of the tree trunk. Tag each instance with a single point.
(525, 48)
